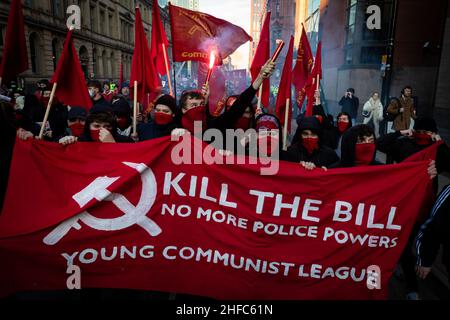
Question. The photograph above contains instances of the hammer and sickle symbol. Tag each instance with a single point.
(97, 189)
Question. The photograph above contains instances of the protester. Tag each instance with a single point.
(433, 233)
(343, 123)
(350, 104)
(307, 148)
(328, 134)
(95, 92)
(122, 111)
(358, 148)
(403, 110)
(268, 138)
(400, 145)
(193, 105)
(373, 111)
(75, 123)
(166, 117)
(107, 92)
(100, 126)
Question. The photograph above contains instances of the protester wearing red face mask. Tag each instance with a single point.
(100, 126)
(358, 148)
(268, 141)
(343, 123)
(307, 149)
(75, 122)
(122, 111)
(164, 118)
(193, 105)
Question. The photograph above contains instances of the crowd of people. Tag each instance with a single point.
(320, 142)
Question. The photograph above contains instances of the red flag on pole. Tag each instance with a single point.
(216, 88)
(142, 70)
(15, 56)
(71, 88)
(262, 54)
(284, 91)
(302, 68)
(314, 78)
(194, 34)
(159, 39)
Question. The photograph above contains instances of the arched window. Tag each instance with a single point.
(113, 68)
(34, 52)
(104, 64)
(84, 60)
(94, 62)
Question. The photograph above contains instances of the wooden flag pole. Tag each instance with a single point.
(317, 84)
(135, 108)
(166, 63)
(0, 82)
(286, 119)
(47, 111)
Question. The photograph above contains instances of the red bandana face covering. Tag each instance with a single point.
(243, 123)
(422, 138)
(194, 114)
(342, 126)
(162, 118)
(77, 129)
(267, 145)
(310, 144)
(122, 123)
(95, 135)
(364, 153)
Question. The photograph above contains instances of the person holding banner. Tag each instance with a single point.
(358, 148)
(166, 118)
(122, 111)
(100, 126)
(401, 145)
(193, 105)
(307, 147)
(268, 140)
(75, 124)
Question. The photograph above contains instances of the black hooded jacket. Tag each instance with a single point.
(322, 157)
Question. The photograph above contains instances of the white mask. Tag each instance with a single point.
(91, 93)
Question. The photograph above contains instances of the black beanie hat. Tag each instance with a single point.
(425, 123)
(121, 108)
(309, 123)
(169, 101)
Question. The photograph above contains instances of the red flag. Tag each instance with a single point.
(15, 56)
(194, 34)
(121, 75)
(262, 54)
(311, 86)
(71, 88)
(165, 228)
(159, 39)
(142, 70)
(284, 90)
(302, 68)
(218, 92)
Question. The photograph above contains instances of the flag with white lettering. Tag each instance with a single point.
(140, 216)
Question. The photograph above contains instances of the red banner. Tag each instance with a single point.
(132, 218)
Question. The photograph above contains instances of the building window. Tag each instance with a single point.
(84, 61)
(351, 21)
(94, 62)
(54, 53)
(57, 8)
(34, 52)
(102, 22)
(371, 55)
